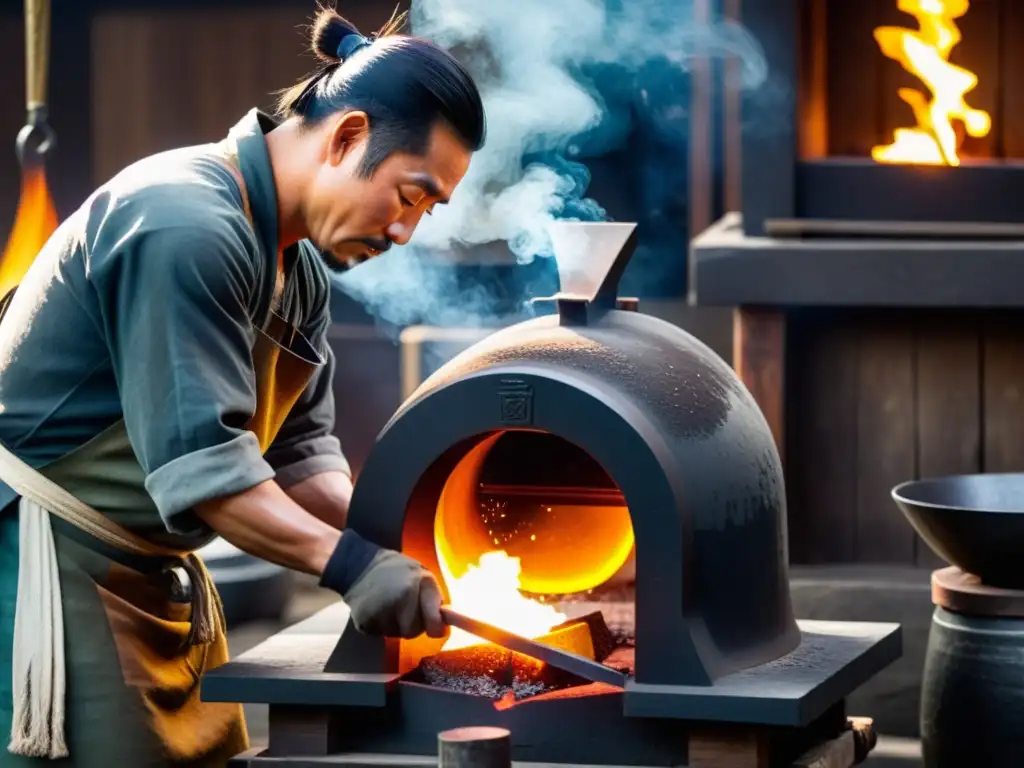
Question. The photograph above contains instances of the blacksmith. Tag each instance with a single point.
(165, 378)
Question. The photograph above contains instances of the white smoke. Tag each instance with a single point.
(523, 54)
(531, 103)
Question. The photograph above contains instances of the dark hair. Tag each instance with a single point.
(405, 85)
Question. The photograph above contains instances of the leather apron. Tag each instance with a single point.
(132, 680)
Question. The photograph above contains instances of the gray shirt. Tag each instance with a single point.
(143, 307)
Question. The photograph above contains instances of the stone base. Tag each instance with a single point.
(328, 715)
(875, 593)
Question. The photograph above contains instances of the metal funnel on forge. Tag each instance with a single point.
(591, 258)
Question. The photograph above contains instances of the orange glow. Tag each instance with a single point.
(925, 54)
(489, 592)
(35, 221)
(493, 542)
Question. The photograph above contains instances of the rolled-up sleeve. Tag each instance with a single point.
(176, 313)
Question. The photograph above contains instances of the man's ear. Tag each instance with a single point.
(348, 132)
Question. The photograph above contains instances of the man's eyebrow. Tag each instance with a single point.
(428, 184)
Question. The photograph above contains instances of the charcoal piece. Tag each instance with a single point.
(493, 672)
(601, 637)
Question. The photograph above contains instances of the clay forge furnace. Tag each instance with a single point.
(573, 442)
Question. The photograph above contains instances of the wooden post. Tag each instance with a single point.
(733, 140)
(701, 151)
(839, 752)
(759, 358)
(728, 748)
(477, 747)
(298, 731)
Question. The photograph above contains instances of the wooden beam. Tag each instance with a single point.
(701, 179)
(733, 181)
(837, 753)
(728, 748)
(759, 357)
(298, 731)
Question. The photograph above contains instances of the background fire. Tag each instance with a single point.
(925, 54)
(35, 222)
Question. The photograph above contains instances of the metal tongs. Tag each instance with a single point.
(564, 660)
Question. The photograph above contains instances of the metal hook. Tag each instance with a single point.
(36, 139)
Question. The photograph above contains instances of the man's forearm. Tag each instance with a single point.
(265, 522)
(325, 495)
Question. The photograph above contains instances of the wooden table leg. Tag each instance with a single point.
(728, 748)
(838, 753)
(759, 358)
(298, 731)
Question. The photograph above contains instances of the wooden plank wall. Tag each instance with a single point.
(12, 113)
(224, 62)
(862, 85)
(879, 397)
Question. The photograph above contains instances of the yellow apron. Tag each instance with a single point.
(132, 695)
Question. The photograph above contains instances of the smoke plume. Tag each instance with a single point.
(559, 79)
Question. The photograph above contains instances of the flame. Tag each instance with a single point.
(567, 540)
(925, 54)
(546, 541)
(34, 222)
(489, 592)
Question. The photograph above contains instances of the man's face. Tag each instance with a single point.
(351, 218)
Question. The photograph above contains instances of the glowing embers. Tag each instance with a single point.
(497, 540)
(925, 54)
(505, 677)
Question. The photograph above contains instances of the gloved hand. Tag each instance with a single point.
(387, 593)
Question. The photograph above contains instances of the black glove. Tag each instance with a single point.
(387, 593)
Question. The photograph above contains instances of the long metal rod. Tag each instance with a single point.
(564, 660)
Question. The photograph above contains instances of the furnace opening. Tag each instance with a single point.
(539, 499)
(525, 526)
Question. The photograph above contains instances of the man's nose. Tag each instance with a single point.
(400, 232)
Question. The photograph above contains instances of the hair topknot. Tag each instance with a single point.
(330, 28)
(406, 86)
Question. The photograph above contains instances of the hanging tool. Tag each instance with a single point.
(36, 218)
(567, 661)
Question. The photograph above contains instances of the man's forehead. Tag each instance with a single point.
(445, 160)
(438, 170)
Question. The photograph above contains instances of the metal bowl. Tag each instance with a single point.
(975, 522)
